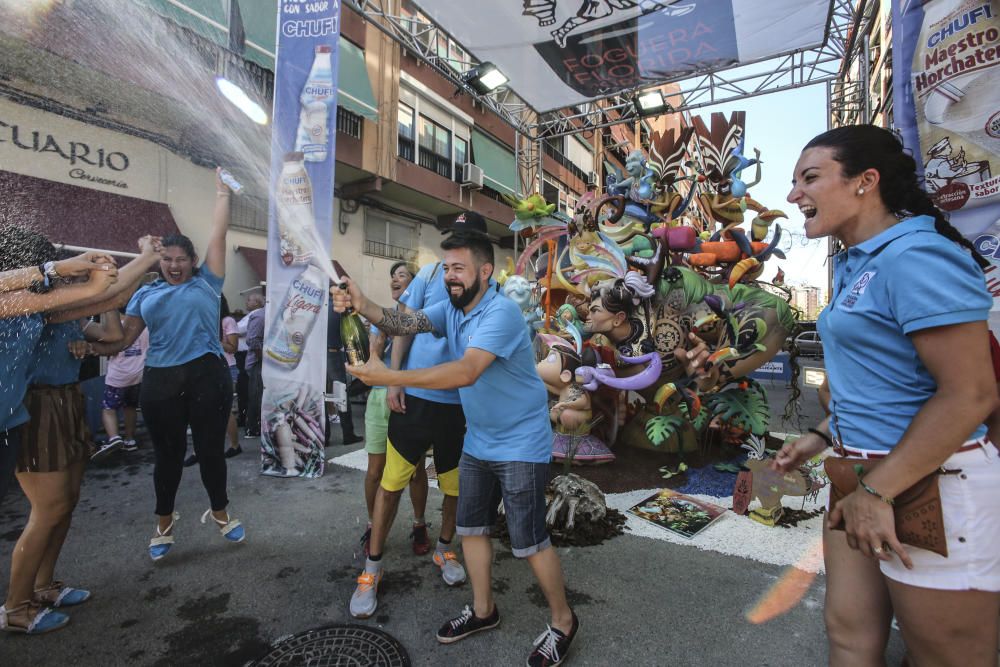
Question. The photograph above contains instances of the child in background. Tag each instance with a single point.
(121, 390)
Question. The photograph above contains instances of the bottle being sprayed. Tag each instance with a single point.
(353, 332)
(290, 330)
(312, 137)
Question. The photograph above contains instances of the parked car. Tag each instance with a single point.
(809, 344)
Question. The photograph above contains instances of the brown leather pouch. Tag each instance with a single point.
(917, 510)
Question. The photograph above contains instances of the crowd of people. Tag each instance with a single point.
(452, 369)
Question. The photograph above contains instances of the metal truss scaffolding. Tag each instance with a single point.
(819, 65)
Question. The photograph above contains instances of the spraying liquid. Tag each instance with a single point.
(313, 136)
(299, 310)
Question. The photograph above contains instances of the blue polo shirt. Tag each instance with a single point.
(905, 279)
(507, 407)
(183, 320)
(425, 290)
(18, 337)
(52, 363)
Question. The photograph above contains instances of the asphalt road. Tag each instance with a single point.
(640, 601)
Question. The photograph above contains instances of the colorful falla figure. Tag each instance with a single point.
(571, 414)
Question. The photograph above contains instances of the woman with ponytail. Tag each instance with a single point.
(911, 383)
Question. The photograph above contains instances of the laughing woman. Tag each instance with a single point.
(186, 382)
(911, 383)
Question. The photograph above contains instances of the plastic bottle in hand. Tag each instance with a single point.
(353, 332)
(313, 136)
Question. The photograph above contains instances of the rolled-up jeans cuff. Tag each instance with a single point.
(474, 530)
(531, 551)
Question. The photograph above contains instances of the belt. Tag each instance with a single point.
(980, 443)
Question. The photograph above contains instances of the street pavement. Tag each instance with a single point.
(640, 601)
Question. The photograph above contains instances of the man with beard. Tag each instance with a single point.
(508, 445)
(420, 419)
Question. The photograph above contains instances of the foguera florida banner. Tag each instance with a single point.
(302, 166)
(559, 53)
(946, 63)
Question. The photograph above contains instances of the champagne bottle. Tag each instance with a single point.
(353, 332)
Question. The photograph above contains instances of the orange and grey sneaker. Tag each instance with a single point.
(421, 543)
(452, 571)
(364, 602)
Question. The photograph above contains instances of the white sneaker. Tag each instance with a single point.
(130, 446)
(364, 602)
(452, 571)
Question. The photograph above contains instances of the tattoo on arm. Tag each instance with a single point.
(396, 323)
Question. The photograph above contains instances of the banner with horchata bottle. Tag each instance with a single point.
(946, 104)
(303, 131)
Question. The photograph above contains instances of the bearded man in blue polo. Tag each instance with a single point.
(507, 444)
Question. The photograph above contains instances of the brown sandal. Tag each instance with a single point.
(57, 594)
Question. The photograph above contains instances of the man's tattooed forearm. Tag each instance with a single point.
(396, 323)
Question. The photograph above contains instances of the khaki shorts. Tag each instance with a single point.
(377, 420)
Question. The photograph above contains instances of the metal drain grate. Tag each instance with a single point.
(337, 646)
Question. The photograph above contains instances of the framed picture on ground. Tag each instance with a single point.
(677, 513)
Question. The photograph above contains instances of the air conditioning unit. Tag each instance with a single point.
(593, 179)
(472, 176)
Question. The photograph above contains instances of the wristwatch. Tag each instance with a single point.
(51, 274)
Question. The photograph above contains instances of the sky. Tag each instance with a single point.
(780, 124)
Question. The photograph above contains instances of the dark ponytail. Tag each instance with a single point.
(861, 147)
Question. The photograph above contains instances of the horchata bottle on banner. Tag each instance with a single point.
(295, 212)
(301, 306)
(353, 332)
(312, 138)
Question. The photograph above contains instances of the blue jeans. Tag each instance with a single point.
(521, 486)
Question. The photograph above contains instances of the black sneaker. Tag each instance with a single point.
(551, 646)
(109, 447)
(466, 624)
(233, 451)
(191, 460)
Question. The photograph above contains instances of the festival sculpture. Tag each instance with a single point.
(676, 247)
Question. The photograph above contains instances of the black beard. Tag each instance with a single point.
(462, 300)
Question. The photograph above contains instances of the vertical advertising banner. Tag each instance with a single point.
(302, 166)
(946, 103)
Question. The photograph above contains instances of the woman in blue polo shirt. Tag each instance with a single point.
(908, 362)
(186, 382)
(49, 472)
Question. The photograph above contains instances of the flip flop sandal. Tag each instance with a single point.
(44, 620)
(161, 544)
(58, 595)
(231, 529)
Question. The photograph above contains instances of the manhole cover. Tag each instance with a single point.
(337, 646)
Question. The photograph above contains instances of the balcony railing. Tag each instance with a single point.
(348, 123)
(249, 212)
(379, 249)
(436, 163)
(564, 161)
(406, 148)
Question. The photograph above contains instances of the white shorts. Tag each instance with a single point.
(970, 505)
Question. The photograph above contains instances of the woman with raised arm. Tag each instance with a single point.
(911, 383)
(186, 382)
